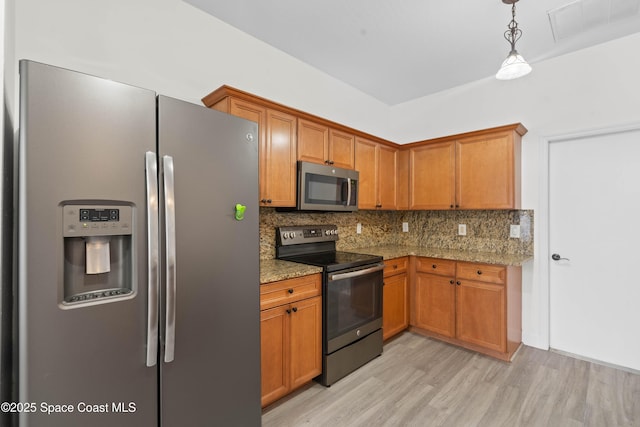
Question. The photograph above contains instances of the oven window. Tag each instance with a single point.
(353, 302)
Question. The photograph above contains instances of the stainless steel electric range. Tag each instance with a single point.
(352, 297)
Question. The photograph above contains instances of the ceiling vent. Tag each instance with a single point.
(582, 15)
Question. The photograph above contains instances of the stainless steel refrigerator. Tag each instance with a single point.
(138, 257)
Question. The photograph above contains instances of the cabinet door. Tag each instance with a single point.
(435, 303)
(387, 177)
(313, 142)
(486, 173)
(341, 149)
(395, 315)
(278, 160)
(366, 160)
(432, 176)
(306, 340)
(274, 353)
(480, 314)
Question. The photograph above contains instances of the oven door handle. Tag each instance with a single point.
(356, 273)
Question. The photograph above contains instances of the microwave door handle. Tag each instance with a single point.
(348, 191)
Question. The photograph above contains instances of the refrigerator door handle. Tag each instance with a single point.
(151, 174)
(170, 231)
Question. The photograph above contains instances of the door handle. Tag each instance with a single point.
(151, 175)
(170, 253)
(557, 257)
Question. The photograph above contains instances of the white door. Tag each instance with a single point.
(594, 221)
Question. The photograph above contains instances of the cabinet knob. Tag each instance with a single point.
(378, 206)
(434, 266)
(451, 206)
(288, 311)
(295, 309)
(458, 283)
(395, 266)
(479, 272)
(290, 291)
(451, 281)
(457, 206)
(268, 200)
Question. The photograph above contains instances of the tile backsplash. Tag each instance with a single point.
(487, 230)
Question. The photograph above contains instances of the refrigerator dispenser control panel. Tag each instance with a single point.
(83, 220)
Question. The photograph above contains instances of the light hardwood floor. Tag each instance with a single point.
(418, 381)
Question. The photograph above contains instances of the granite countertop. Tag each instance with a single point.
(272, 270)
(395, 251)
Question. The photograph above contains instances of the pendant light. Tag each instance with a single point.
(514, 66)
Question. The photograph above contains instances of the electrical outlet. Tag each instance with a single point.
(514, 231)
(358, 228)
(405, 227)
(462, 229)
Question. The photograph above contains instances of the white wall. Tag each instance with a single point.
(177, 50)
(590, 89)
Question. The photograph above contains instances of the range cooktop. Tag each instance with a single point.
(316, 245)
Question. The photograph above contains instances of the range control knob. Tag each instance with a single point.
(327, 232)
(292, 234)
(285, 235)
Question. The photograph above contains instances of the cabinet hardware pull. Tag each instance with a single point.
(268, 200)
(295, 309)
(434, 266)
(290, 291)
(458, 283)
(288, 311)
(395, 266)
(451, 281)
(479, 272)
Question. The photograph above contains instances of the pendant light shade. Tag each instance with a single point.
(515, 65)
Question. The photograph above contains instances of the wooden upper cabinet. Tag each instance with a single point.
(313, 142)
(478, 170)
(318, 143)
(368, 173)
(341, 149)
(432, 176)
(377, 167)
(278, 175)
(488, 172)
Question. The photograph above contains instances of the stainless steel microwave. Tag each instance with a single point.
(326, 188)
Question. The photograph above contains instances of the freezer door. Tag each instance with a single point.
(210, 369)
(83, 329)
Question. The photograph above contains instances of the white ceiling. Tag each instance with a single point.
(398, 50)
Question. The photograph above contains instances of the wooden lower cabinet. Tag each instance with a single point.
(395, 307)
(290, 336)
(477, 306)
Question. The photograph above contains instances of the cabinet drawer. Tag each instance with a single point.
(438, 266)
(395, 266)
(290, 290)
(482, 272)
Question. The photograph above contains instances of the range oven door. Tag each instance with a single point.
(352, 305)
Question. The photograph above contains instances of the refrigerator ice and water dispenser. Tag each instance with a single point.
(98, 256)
